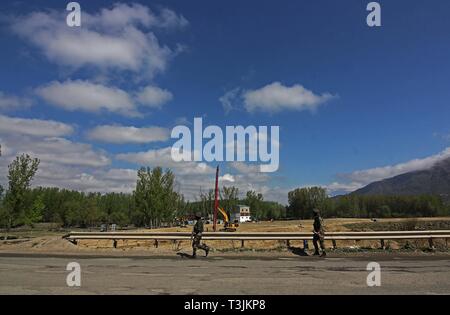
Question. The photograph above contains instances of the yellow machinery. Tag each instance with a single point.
(227, 226)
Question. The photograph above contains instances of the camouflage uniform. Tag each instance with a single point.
(319, 234)
(197, 238)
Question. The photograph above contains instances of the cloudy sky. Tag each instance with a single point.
(354, 104)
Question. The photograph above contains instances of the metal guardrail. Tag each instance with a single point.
(249, 236)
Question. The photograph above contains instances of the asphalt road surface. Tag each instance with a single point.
(46, 274)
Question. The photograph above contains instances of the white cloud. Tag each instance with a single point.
(276, 97)
(86, 96)
(33, 127)
(63, 176)
(245, 168)
(154, 97)
(4, 149)
(228, 99)
(251, 172)
(341, 188)
(64, 151)
(65, 164)
(120, 174)
(182, 121)
(121, 15)
(67, 152)
(12, 102)
(163, 158)
(56, 150)
(227, 178)
(122, 134)
(95, 97)
(119, 38)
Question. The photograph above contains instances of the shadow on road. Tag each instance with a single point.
(298, 251)
(184, 255)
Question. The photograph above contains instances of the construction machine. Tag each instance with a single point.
(227, 225)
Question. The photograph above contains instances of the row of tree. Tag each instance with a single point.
(303, 200)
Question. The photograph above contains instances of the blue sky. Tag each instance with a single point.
(389, 112)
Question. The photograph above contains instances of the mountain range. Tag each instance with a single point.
(432, 181)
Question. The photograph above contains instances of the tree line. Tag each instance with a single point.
(303, 200)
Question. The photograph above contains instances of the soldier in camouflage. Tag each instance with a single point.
(319, 234)
(197, 237)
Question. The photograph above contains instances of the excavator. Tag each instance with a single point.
(227, 225)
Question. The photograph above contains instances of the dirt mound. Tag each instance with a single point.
(45, 243)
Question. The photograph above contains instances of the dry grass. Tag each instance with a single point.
(265, 226)
(52, 242)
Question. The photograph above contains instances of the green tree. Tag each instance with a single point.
(20, 174)
(34, 214)
(255, 201)
(303, 200)
(229, 197)
(206, 203)
(155, 198)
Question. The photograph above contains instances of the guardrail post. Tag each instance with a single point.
(334, 244)
(382, 245)
(288, 243)
(430, 243)
(115, 243)
(242, 243)
(156, 243)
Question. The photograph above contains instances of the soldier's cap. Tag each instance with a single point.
(198, 215)
(316, 211)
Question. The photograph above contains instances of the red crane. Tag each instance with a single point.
(216, 198)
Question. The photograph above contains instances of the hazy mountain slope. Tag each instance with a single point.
(435, 180)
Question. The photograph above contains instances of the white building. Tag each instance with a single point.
(241, 213)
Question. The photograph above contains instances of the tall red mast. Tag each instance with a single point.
(216, 198)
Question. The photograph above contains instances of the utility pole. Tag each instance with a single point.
(216, 199)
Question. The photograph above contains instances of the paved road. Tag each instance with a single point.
(46, 274)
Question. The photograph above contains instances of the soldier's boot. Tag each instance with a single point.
(194, 253)
(322, 247)
(206, 251)
(316, 248)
